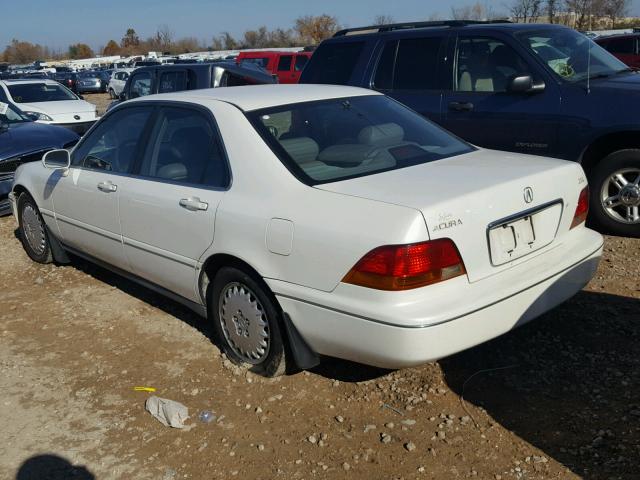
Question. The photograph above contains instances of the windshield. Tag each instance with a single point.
(261, 61)
(11, 115)
(39, 92)
(572, 56)
(336, 139)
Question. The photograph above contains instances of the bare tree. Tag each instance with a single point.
(615, 9)
(477, 11)
(526, 11)
(314, 29)
(383, 20)
(552, 10)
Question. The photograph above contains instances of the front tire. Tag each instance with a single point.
(33, 230)
(112, 94)
(247, 322)
(615, 194)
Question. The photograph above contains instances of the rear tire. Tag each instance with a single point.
(33, 230)
(615, 194)
(112, 94)
(247, 322)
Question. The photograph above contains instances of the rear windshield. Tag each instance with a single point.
(39, 92)
(331, 140)
(332, 63)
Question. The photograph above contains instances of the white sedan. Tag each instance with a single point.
(47, 101)
(309, 220)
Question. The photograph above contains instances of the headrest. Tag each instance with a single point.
(173, 171)
(301, 149)
(380, 135)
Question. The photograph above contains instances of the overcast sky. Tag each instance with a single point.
(57, 23)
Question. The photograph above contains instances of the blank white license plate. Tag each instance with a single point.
(511, 240)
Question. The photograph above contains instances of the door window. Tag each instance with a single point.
(141, 85)
(486, 65)
(112, 146)
(186, 148)
(172, 82)
(333, 63)
(284, 64)
(301, 61)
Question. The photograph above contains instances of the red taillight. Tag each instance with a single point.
(582, 209)
(402, 267)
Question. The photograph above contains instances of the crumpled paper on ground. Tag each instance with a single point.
(170, 413)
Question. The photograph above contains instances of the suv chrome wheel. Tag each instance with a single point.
(244, 323)
(33, 229)
(620, 196)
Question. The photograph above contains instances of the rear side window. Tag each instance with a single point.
(186, 148)
(284, 64)
(333, 63)
(624, 46)
(172, 82)
(417, 64)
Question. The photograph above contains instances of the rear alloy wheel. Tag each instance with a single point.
(33, 232)
(615, 193)
(247, 322)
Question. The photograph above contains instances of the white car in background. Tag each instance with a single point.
(332, 219)
(47, 101)
(118, 80)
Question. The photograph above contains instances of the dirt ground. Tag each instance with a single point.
(100, 100)
(556, 399)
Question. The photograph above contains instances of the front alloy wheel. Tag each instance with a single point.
(33, 232)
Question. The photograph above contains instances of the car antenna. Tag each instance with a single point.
(589, 67)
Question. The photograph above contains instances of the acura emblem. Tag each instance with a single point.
(77, 117)
(528, 194)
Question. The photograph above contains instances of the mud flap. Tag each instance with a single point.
(303, 355)
(59, 254)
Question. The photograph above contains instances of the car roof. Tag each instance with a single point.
(256, 97)
(14, 81)
(616, 35)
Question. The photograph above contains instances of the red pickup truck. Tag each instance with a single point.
(286, 65)
(625, 47)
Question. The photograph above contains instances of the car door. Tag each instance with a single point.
(409, 69)
(480, 107)
(167, 211)
(285, 69)
(85, 200)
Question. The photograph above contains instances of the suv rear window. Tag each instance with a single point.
(333, 63)
(331, 140)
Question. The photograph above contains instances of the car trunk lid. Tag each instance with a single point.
(498, 208)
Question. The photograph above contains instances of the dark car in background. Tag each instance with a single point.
(68, 79)
(530, 88)
(23, 140)
(190, 76)
(625, 47)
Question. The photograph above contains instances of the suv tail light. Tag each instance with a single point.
(403, 267)
(582, 209)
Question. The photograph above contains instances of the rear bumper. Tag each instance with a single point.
(426, 324)
(90, 89)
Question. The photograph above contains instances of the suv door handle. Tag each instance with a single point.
(107, 187)
(461, 106)
(193, 204)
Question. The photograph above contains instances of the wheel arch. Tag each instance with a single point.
(607, 144)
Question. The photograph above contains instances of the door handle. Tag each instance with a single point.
(193, 204)
(461, 106)
(107, 187)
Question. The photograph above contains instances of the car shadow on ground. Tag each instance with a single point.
(52, 467)
(568, 383)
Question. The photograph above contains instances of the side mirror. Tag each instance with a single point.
(33, 116)
(57, 159)
(525, 84)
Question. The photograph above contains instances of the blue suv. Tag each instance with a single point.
(528, 88)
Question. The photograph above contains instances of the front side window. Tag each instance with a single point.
(39, 92)
(12, 115)
(141, 85)
(485, 64)
(333, 63)
(284, 64)
(185, 148)
(621, 46)
(570, 55)
(337, 139)
(112, 146)
(172, 82)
